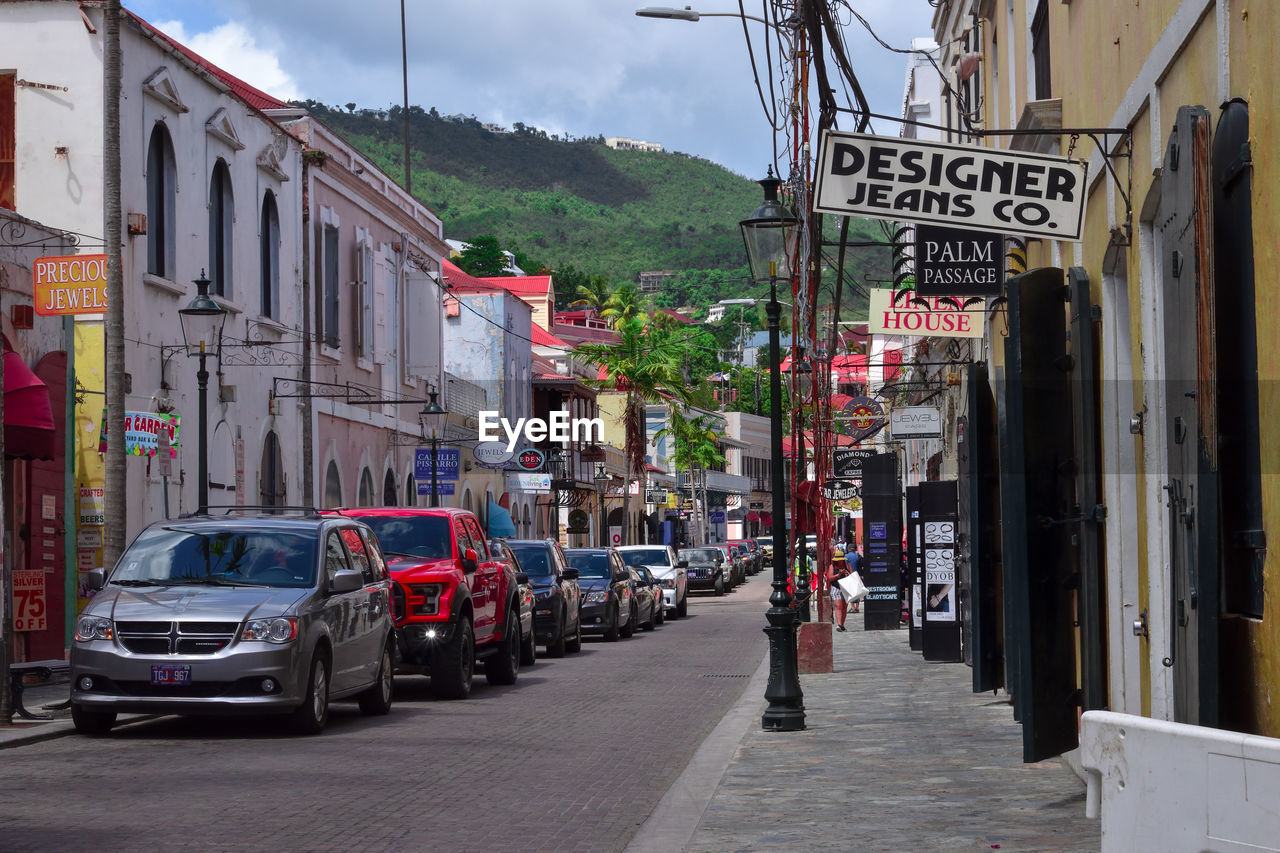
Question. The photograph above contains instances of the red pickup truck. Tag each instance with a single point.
(453, 603)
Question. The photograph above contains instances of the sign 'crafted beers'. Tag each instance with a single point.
(70, 284)
(963, 186)
(901, 312)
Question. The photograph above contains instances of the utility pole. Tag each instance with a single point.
(115, 516)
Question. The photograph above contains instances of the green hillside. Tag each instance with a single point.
(575, 203)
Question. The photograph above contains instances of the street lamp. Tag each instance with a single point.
(201, 323)
(555, 467)
(602, 477)
(688, 14)
(770, 234)
(431, 418)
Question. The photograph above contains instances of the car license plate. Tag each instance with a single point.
(171, 673)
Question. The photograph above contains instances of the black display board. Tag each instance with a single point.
(941, 629)
(882, 551)
(914, 556)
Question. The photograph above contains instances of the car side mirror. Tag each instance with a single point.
(469, 560)
(571, 574)
(96, 579)
(683, 564)
(521, 578)
(347, 580)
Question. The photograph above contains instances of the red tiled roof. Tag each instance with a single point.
(543, 338)
(252, 96)
(522, 285)
(676, 315)
(457, 279)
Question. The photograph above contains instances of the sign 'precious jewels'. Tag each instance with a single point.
(962, 186)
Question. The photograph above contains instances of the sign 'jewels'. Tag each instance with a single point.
(958, 185)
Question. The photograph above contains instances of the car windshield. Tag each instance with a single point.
(412, 535)
(533, 560)
(590, 565)
(701, 555)
(645, 557)
(168, 556)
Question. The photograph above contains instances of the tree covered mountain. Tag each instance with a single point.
(576, 206)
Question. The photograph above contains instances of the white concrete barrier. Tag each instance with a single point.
(1173, 787)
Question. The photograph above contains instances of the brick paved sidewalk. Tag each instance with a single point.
(898, 755)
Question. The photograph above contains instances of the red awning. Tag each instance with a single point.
(28, 415)
(766, 518)
(752, 515)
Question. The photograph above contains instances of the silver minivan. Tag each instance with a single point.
(237, 614)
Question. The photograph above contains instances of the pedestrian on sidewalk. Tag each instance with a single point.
(838, 569)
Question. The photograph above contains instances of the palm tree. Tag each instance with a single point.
(624, 304)
(645, 364)
(594, 293)
(695, 449)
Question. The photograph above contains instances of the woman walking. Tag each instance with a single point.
(838, 569)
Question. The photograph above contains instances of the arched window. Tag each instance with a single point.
(365, 496)
(160, 204)
(410, 491)
(271, 477)
(269, 256)
(332, 486)
(221, 214)
(389, 489)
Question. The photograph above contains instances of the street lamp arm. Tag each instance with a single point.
(688, 14)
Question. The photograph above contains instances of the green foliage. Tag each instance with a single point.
(580, 209)
(482, 258)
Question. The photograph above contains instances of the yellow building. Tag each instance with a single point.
(1146, 575)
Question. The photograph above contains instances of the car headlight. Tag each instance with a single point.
(599, 597)
(424, 598)
(669, 583)
(282, 629)
(89, 628)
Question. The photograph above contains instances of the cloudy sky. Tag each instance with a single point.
(582, 67)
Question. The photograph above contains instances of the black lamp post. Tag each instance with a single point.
(602, 477)
(202, 322)
(431, 417)
(555, 467)
(770, 234)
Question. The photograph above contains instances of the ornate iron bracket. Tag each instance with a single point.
(285, 387)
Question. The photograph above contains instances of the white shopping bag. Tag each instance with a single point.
(853, 588)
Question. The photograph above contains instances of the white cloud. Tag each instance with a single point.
(233, 48)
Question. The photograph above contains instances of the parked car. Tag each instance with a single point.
(608, 605)
(734, 573)
(644, 579)
(766, 545)
(706, 568)
(670, 572)
(755, 557)
(557, 596)
(743, 556)
(237, 614)
(454, 604)
(528, 643)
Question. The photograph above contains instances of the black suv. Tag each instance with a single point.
(707, 568)
(557, 598)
